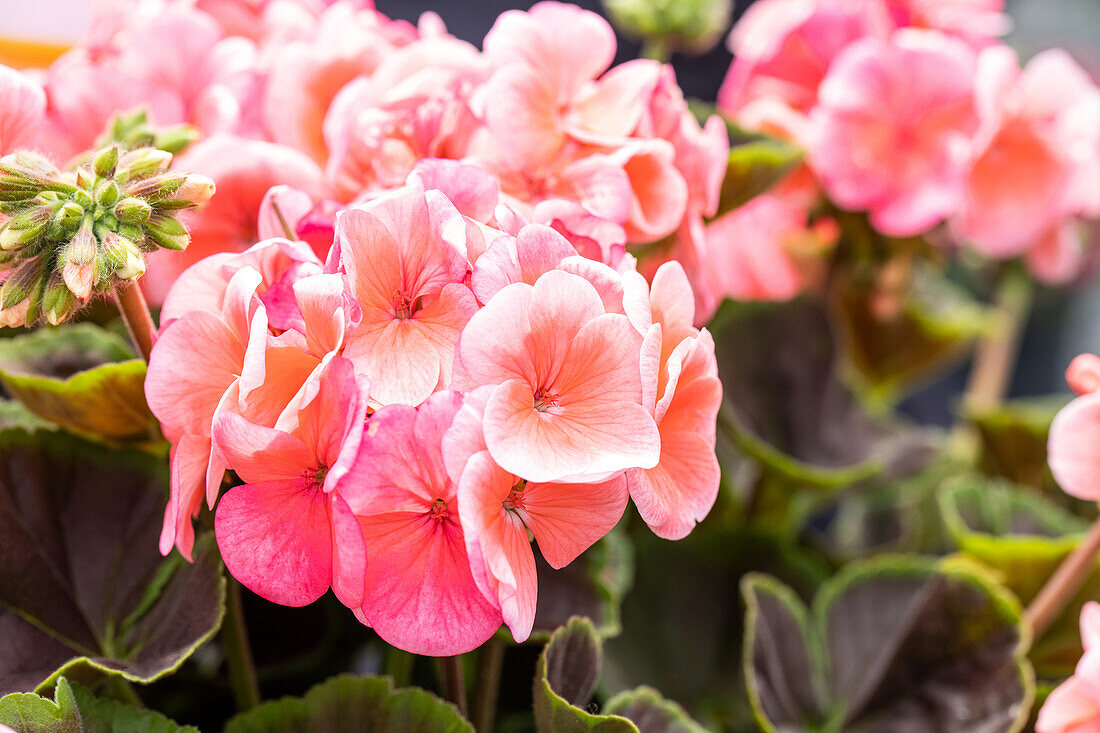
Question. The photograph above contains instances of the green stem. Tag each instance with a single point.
(399, 666)
(452, 682)
(658, 49)
(995, 359)
(242, 670)
(490, 663)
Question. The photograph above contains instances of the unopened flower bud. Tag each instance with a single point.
(142, 163)
(107, 194)
(167, 232)
(80, 262)
(58, 302)
(66, 220)
(105, 162)
(25, 228)
(133, 211)
(692, 26)
(157, 187)
(124, 256)
(196, 189)
(85, 179)
(21, 285)
(176, 139)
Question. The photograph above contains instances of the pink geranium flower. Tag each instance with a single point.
(288, 533)
(681, 387)
(420, 594)
(1037, 153)
(566, 402)
(499, 508)
(1074, 434)
(892, 129)
(406, 265)
(1074, 706)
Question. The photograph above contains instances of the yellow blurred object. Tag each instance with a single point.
(24, 54)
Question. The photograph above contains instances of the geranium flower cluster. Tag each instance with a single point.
(338, 102)
(453, 382)
(912, 111)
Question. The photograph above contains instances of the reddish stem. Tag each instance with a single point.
(135, 312)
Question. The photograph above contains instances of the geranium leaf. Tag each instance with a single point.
(787, 408)
(565, 678)
(100, 715)
(1022, 537)
(25, 712)
(1013, 439)
(83, 522)
(80, 377)
(652, 713)
(753, 168)
(933, 646)
(350, 704)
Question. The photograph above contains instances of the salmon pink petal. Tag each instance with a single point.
(1069, 709)
(276, 539)
(184, 384)
(349, 554)
(472, 190)
(465, 436)
(1090, 625)
(1074, 435)
(323, 305)
(281, 209)
(533, 252)
(497, 544)
(188, 459)
(566, 519)
(259, 453)
(23, 110)
(566, 44)
(1058, 256)
(420, 595)
(601, 185)
(200, 287)
(660, 192)
(611, 109)
(522, 116)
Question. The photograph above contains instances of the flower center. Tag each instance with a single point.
(545, 399)
(514, 500)
(439, 510)
(405, 306)
(316, 480)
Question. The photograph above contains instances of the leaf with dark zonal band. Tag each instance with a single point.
(101, 715)
(897, 643)
(350, 704)
(787, 409)
(1022, 537)
(83, 589)
(80, 377)
(1013, 440)
(652, 713)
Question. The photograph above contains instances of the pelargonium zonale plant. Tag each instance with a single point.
(358, 374)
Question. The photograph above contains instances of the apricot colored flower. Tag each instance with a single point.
(566, 399)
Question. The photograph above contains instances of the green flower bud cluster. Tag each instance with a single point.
(70, 235)
(132, 130)
(690, 26)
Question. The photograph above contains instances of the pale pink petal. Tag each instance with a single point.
(472, 190)
(1073, 457)
(1068, 709)
(188, 460)
(22, 111)
(276, 539)
(258, 453)
(611, 109)
(659, 190)
(1083, 374)
(522, 115)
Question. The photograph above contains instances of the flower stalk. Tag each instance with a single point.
(1064, 583)
(452, 681)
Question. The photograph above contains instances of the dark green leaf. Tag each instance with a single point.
(1013, 439)
(25, 712)
(565, 678)
(350, 704)
(787, 408)
(753, 168)
(1022, 538)
(80, 377)
(78, 558)
(896, 334)
(110, 716)
(682, 621)
(905, 643)
(592, 586)
(652, 713)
